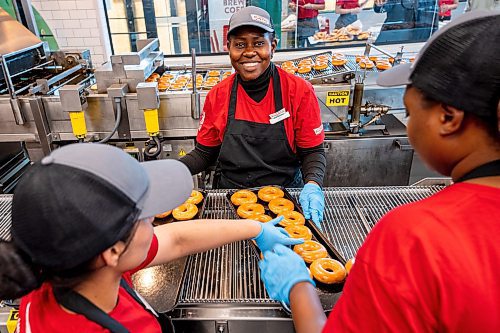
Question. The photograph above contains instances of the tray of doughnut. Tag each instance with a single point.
(318, 65)
(324, 261)
(191, 209)
(346, 34)
(374, 63)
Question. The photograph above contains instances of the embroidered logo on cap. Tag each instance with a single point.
(260, 19)
(318, 130)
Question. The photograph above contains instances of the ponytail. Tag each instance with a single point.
(18, 276)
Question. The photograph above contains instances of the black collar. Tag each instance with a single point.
(486, 170)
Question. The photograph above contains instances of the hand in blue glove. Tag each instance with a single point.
(281, 269)
(270, 235)
(312, 201)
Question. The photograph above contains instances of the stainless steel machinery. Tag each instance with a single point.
(46, 102)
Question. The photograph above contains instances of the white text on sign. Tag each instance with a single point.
(338, 98)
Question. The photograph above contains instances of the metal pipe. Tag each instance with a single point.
(356, 105)
(195, 96)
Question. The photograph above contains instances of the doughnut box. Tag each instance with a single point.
(184, 212)
(325, 291)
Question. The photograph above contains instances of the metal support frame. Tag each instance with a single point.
(150, 18)
(42, 124)
(129, 6)
(24, 13)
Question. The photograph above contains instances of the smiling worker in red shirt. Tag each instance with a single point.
(262, 125)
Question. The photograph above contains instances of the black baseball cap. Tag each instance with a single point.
(83, 198)
(251, 16)
(458, 65)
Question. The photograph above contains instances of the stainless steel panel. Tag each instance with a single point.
(24, 39)
(367, 162)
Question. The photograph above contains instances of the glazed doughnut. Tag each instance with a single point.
(306, 62)
(328, 271)
(195, 198)
(299, 231)
(348, 265)
(269, 193)
(338, 61)
(291, 217)
(303, 69)
(163, 215)
(373, 58)
(310, 251)
(383, 64)
(361, 57)
(249, 209)
(213, 73)
(243, 197)
(280, 205)
(261, 218)
(366, 63)
(291, 70)
(186, 211)
(286, 64)
(320, 65)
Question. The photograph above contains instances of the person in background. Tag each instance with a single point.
(307, 19)
(348, 10)
(82, 225)
(407, 20)
(445, 8)
(431, 265)
(261, 126)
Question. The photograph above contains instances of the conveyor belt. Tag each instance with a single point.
(351, 213)
(229, 274)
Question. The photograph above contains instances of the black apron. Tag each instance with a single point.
(75, 302)
(254, 154)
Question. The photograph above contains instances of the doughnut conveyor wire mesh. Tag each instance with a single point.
(351, 213)
(5, 216)
(229, 274)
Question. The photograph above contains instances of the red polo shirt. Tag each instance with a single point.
(429, 266)
(308, 13)
(347, 4)
(303, 128)
(40, 312)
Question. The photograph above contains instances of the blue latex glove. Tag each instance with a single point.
(270, 235)
(312, 201)
(281, 269)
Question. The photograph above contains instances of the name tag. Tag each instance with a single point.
(278, 116)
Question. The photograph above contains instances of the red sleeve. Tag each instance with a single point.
(208, 132)
(340, 3)
(153, 250)
(308, 126)
(387, 289)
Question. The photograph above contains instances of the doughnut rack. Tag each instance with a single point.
(351, 212)
(224, 275)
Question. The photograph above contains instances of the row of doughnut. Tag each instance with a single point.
(187, 210)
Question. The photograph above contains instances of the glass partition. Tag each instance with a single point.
(202, 24)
